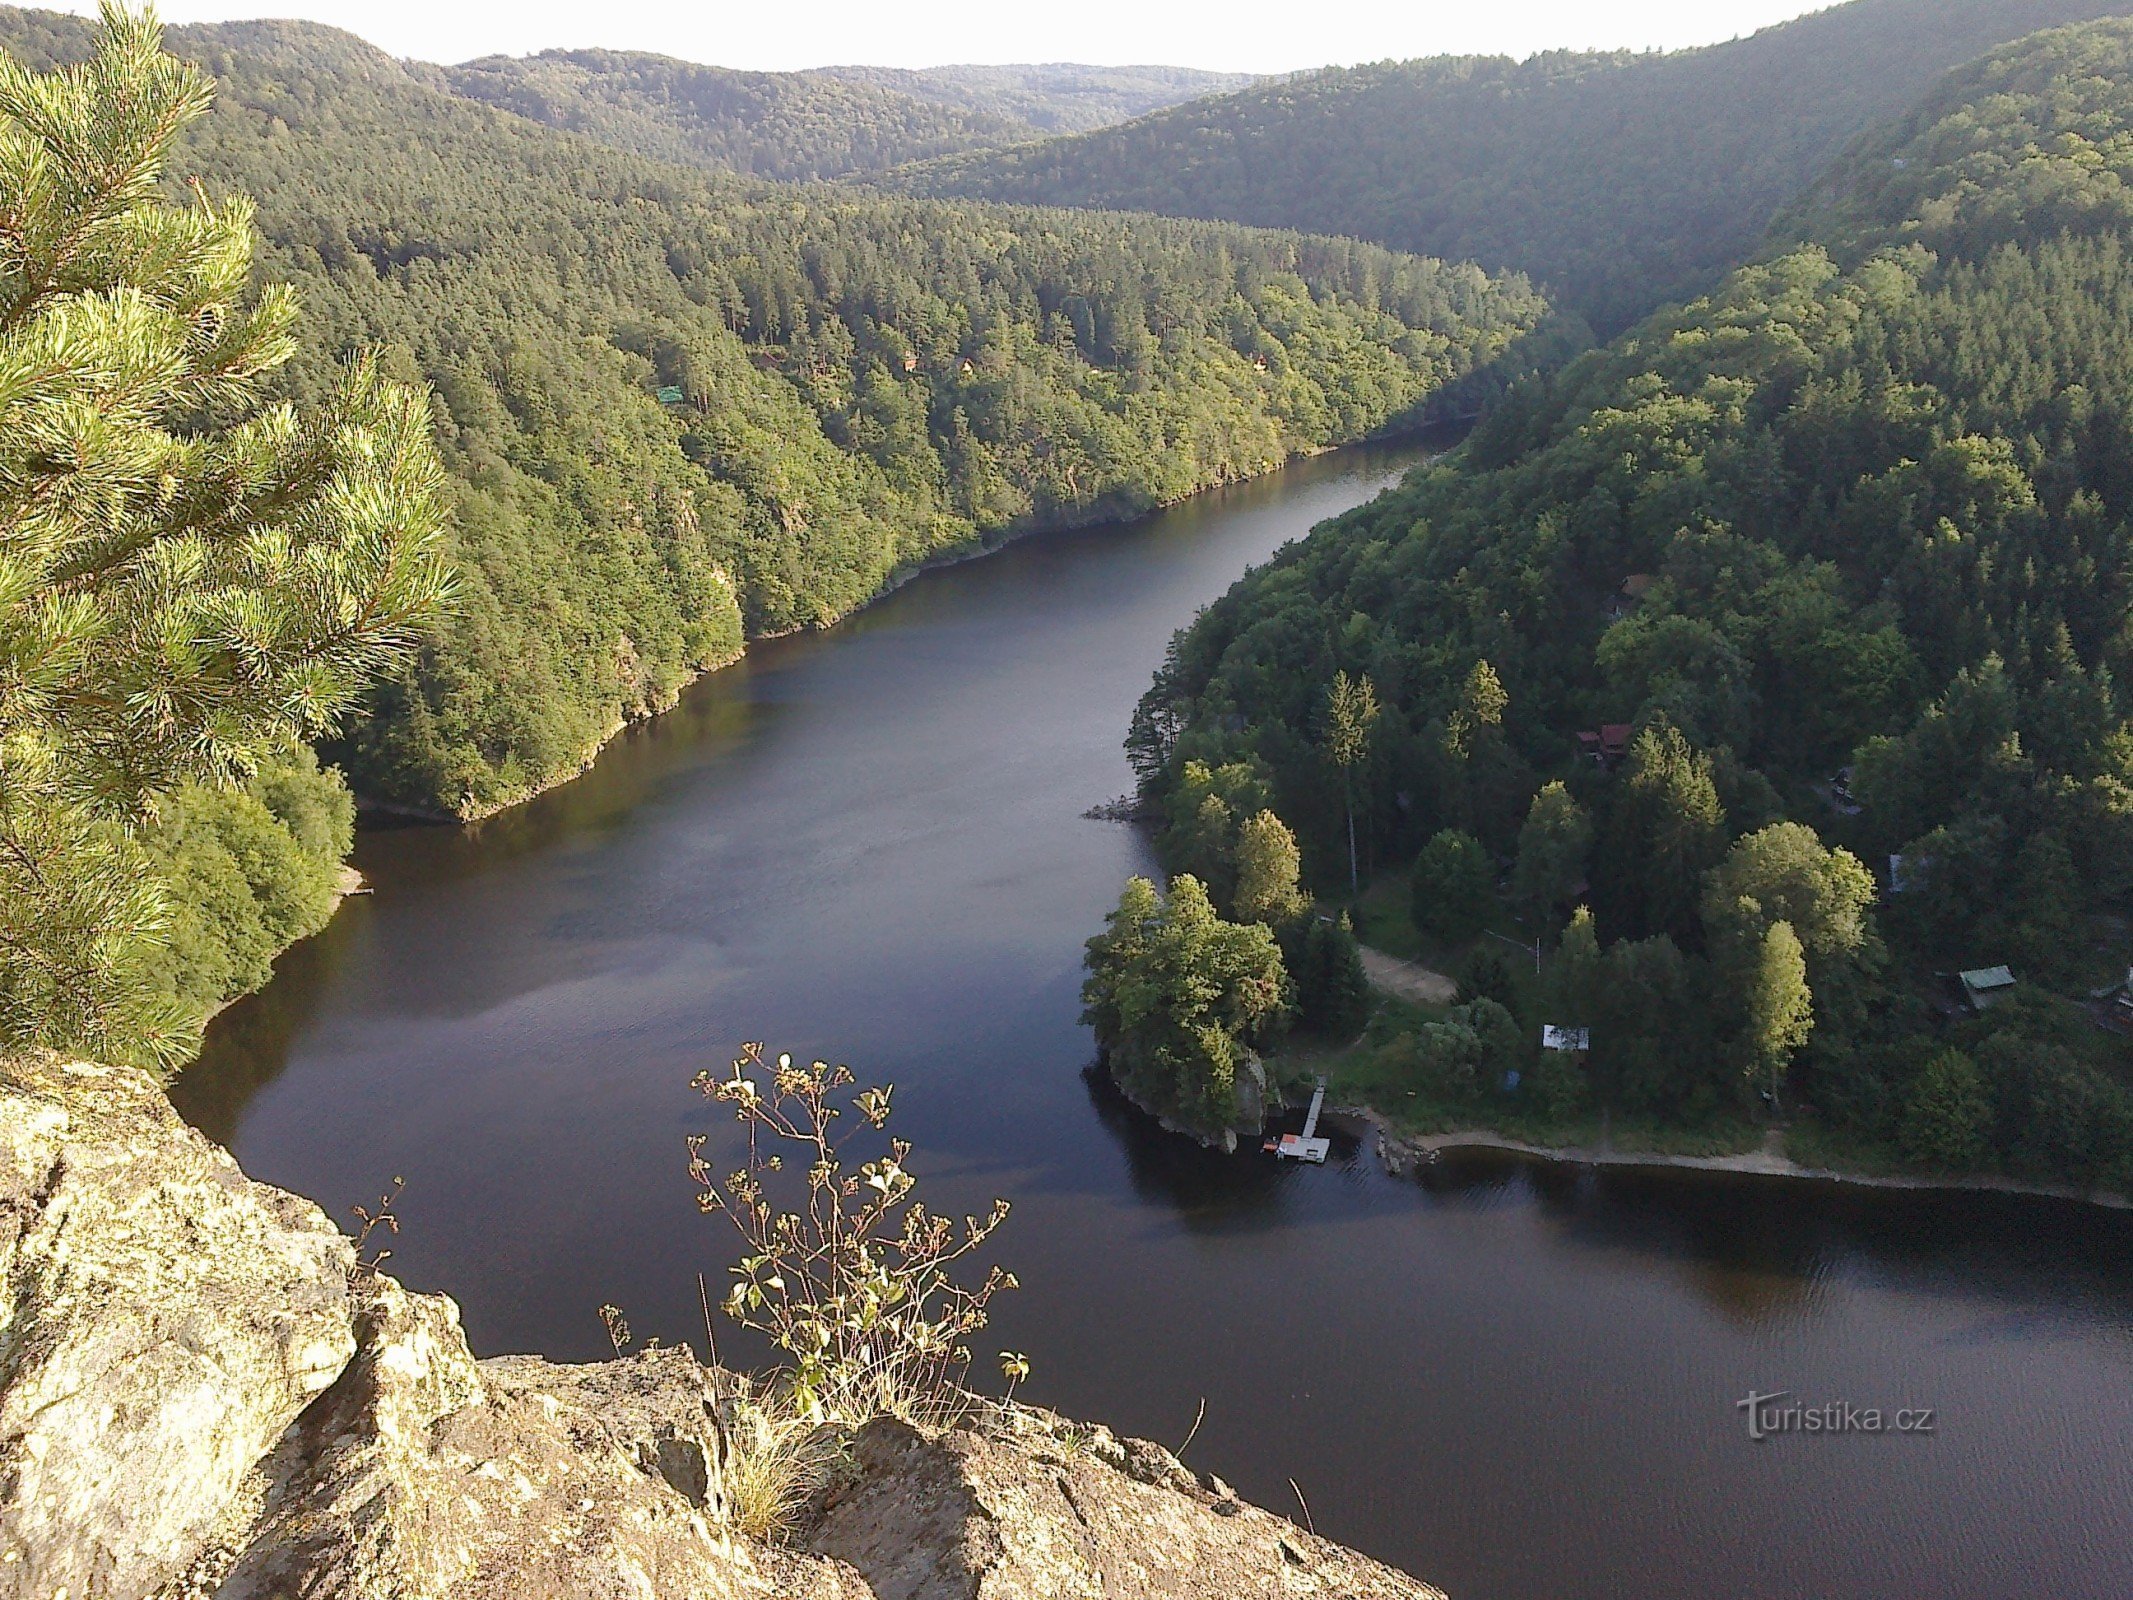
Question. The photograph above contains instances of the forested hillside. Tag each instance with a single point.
(678, 410)
(1866, 511)
(1616, 181)
(791, 126)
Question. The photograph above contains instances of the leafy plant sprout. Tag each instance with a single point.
(844, 1269)
(384, 1217)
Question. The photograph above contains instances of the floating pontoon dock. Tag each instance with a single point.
(1306, 1146)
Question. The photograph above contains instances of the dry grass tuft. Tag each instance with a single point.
(774, 1462)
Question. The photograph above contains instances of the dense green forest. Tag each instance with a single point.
(679, 410)
(1617, 181)
(1844, 552)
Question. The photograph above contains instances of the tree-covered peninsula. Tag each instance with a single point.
(831, 122)
(1764, 666)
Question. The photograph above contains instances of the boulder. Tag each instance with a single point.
(162, 1320)
(1258, 1097)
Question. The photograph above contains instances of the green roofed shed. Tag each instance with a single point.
(1986, 986)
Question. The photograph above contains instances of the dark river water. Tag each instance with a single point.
(1518, 1381)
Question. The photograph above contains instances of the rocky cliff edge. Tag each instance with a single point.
(202, 1393)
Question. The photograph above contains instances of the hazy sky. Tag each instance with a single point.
(1249, 36)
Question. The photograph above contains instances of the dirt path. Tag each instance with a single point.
(1407, 980)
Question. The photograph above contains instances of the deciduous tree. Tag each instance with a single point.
(1179, 999)
(1784, 873)
(1780, 1010)
(1946, 1114)
(1269, 867)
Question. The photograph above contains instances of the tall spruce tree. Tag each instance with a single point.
(1554, 853)
(1665, 829)
(190, 575)
(1333, 991)
(1351, 713)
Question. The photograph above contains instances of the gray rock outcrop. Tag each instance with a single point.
(201, 1393)
(162, 1318)
(1033, 1505)
(423, 1472)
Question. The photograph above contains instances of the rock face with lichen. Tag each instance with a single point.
(162, 1318)
(202, 1394)
(1031, 1505)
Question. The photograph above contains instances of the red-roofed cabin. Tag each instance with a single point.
(1614, 740)
(1589, 748)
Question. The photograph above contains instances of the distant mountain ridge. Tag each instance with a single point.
(1618, 180)
(833, 122)
(787, 126)
(1053, 96)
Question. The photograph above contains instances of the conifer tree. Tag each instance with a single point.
(1482, 703)
(1351, 712)
(1666, 829)
(1554, 852)
(190, 574)
(1453, 886)
(1333, 990)
(1576, 975)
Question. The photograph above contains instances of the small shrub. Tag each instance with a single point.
(854, 1282)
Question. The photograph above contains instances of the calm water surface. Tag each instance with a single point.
(1516, 1380)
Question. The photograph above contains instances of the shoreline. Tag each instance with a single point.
(1402, 1153)
(373, 811)
(1095, 515)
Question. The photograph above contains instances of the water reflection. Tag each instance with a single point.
(1202, 1188)
(253, 1038)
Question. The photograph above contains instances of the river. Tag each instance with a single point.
(1518, 1381)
